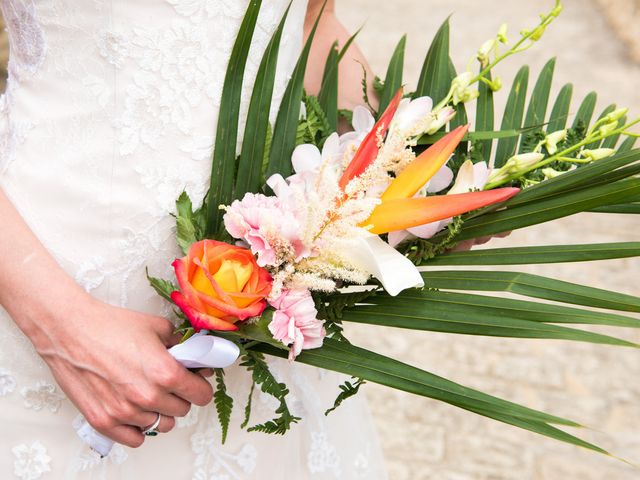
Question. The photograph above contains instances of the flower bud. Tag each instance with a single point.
(616, 115)
(552, 140)
(557, 9)
(597, 153)
(485, 51)
(496, 84)
(514, 165)
(440, 118)
(537, 33)
(461, 90)
(608, 128)
(523, 161)
(550, 173)
(502, 34)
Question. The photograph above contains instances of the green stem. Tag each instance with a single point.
(558, 155)
(517, 48)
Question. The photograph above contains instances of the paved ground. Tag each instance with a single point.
(594, 385)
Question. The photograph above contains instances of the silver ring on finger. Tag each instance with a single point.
(152, 430)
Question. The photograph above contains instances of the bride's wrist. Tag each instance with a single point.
(48, 316)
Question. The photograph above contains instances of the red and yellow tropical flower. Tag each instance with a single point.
(220, 284)
(400, 210)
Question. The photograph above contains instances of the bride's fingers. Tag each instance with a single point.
(147, 419)
(124, 434)
(166, 331)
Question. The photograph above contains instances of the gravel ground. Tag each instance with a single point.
(595, 385)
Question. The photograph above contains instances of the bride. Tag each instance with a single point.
(108, 114)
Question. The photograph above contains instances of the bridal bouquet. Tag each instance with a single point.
(307, 229)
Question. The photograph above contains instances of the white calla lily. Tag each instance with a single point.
(376, 257)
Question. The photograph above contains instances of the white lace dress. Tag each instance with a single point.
(109, 113)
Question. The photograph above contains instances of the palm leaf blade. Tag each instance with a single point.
(531, 286)
(224, 153)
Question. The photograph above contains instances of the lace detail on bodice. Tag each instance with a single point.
(28, 46)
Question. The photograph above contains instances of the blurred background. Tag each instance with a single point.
(597, 45)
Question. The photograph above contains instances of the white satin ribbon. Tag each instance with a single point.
(199, 351)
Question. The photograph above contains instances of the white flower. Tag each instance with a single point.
(31, 461)
(411, 116)
(440, 118)
(362, 123)
(394, 271)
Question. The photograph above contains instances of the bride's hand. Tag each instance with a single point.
(352, 67)
(111, 363)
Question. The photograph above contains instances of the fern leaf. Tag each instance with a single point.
(223, 402)
(247, 408)
(262, 376)
(348, 390)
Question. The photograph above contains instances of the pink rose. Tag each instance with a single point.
(294, 322)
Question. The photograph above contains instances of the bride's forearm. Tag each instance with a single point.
(33, 287)
(329, 30)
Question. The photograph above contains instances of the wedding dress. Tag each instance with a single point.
(109, 114)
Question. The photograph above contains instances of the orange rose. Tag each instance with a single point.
(220, 284)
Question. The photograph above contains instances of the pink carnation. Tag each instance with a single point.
(294, 322)
(267, 225)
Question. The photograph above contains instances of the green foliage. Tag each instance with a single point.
(249, 176)
(421, 250)
(378, 85)
(361, 363)
(285, 128)
(330, 306)
(435, 79)
(262, 376)
(223, 403)
(164, 288)
(393, 79)
(190, 225)
(348, 390)
(462, 314)
(223, 164)
(512, 117)
(560, 111)
(328, 96)
(247, 408)
(532, 286)
(481, 149)
(539, 254)
(315, 127)
(537, 109)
